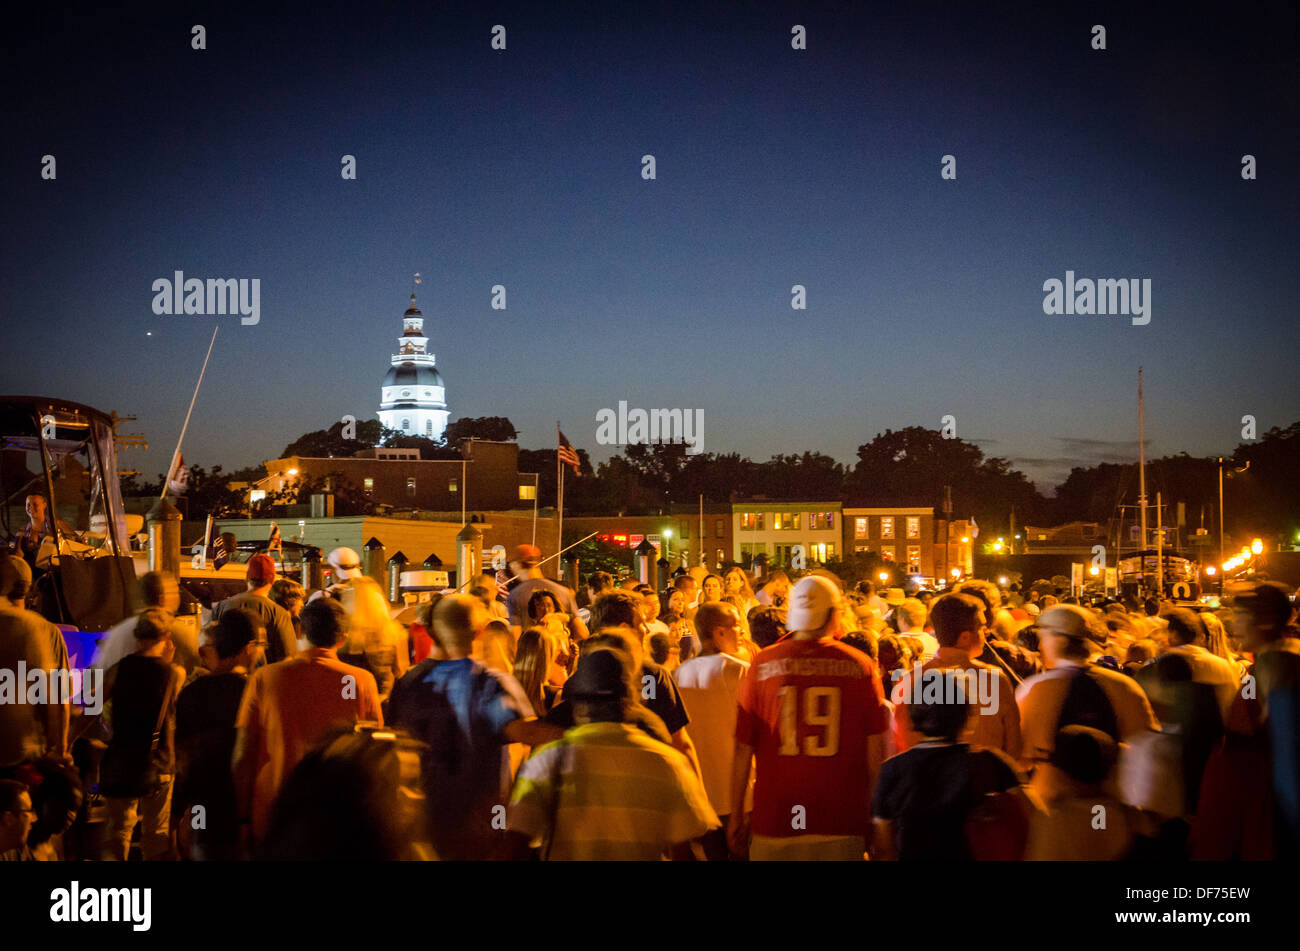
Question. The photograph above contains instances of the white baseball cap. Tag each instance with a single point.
(811, 601)
(345, 562)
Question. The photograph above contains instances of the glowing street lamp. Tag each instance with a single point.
(1094, 570)
(1003, 581)
(884, 576)
(1257, 546)
(1211, 570)
(956, 572)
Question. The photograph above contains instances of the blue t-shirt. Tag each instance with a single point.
(460, 708)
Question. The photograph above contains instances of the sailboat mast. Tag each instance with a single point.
(1142, 482)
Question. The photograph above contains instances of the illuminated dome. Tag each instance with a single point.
(413, 398)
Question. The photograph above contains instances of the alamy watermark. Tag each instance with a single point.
(213, 297)
(37, 686)
(638, 426)
(1105, 297)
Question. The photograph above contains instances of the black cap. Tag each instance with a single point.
(600, 675)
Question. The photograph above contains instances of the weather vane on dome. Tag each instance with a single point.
(417, 281)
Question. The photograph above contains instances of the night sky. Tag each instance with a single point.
(775, 167)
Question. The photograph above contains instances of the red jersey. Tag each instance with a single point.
(807, 708)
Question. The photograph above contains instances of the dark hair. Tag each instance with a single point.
(660, 648)
(153, 586)
(766, 625)
(598, 581)
(683, 581)
(338, 803)
(1083, 753)
(535, 603)
(59, 793)
(860, 641)
(1186, 627)
(939, 718)
(324, 622)
(1027, 637)
(615, 608)
(233, 630)
(954, 614)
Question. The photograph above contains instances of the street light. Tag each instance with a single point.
(668, 539)
(1257, 546)
(884, 576)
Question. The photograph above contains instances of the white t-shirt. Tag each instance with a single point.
(710, 689)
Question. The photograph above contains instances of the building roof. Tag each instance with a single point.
(413, 374)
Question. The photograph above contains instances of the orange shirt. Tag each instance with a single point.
(289, 707)
(995, 725)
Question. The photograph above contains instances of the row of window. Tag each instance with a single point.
(819, 552)
(889, 553)
(452, 486)
(861, 526)
(786, 521)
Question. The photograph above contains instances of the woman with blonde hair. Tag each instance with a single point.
(539, 673)
(1216, 641)
(736, 582)
(536, 669)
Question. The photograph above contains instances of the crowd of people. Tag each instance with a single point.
(721, 718)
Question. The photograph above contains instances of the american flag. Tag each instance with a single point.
(567, 454)
(275, 544)
(217, 553)
(178, 479)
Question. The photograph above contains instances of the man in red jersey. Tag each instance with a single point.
(807, 708)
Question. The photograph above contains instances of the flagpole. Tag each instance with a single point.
(186, 424)
(559, 498)
(537, 478)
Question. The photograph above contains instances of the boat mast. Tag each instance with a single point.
(1142, 485)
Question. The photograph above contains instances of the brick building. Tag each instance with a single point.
(911, 538)
(401, 479)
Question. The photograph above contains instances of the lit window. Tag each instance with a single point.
(452, 486)
(887, 526)
(370, 485)
(887, 552)
(859, 528)
(410, 487)
(913, 526)
(913, 558)
(527, 493)
(821, 521)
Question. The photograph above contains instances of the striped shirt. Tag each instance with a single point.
(621, 795)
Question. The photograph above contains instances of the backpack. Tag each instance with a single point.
(1086, 704)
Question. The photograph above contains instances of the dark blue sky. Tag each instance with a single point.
(775, 168)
